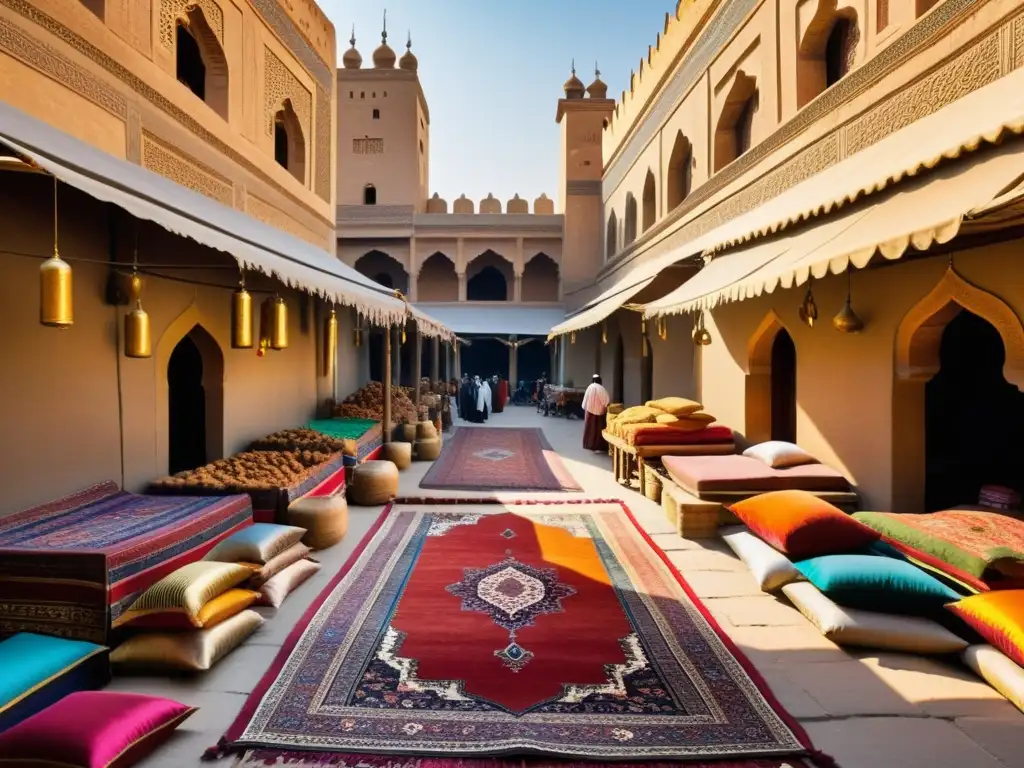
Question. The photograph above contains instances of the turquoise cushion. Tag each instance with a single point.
(877, 584)
(29, 660)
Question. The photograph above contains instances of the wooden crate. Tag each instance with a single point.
(692, 517)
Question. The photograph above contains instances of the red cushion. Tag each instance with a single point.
(801, 525)
(665, 434)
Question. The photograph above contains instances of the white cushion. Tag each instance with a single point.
(850, 626)
(998, 670)
(779, 455)
(283, 584)
(771, 569)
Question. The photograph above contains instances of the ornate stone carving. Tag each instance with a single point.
(1018, 42)
(57, 71)
(175, 165)
(275, 217)
(21, 45)
(974, 68)
(173, 10)
(295, 41)
(367, 146)
(133, 150)
(919, 335)
(279, 84)
(322, 178)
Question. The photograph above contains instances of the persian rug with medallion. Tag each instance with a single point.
(471, 635)
(499, 459)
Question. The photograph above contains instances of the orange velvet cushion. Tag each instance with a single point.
(998, 616)
(801, 525)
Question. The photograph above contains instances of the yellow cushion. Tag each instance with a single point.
(998, 617)
(225, 606)
(693, 421)
(666, 418)
(187, 651)
(677, 406)
(638, 414)
(175, 601)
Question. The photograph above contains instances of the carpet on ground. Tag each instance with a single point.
(499, 459)
(470, 635)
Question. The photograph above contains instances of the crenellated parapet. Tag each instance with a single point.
(490, 205)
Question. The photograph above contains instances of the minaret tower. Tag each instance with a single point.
(582, 115)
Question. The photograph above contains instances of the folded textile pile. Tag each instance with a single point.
(668, 421)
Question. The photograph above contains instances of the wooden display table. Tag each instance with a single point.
(627, 458)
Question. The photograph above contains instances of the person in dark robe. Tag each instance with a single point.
(595, 408)
(497, 402)
(467, 401)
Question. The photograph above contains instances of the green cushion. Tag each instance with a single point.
(343, 428)
(877, 584)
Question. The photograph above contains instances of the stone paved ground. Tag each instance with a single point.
(868, 709)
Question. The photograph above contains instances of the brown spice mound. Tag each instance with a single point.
(299, 440)
(249, 471)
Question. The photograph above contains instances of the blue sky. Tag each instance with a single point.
(493, 72)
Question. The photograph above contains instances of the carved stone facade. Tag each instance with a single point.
(275, 217)
(279, 84)
(175, 165)
(173, 10)
(322, 145)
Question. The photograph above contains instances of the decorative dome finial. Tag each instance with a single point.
(351, 59)
(352, 40)
(573, 87)
(384, 31)
(408, 41)
(408, 60)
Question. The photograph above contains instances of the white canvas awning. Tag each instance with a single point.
(927, 210)
(253, 244)
(495, 318)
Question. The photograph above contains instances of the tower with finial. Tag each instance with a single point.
(383, 128)
(582, 121)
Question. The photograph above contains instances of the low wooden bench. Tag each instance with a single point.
(627, 459)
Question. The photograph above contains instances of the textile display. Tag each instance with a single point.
(698, 474)
(499, 459)
(983, 550)
(197, 651)
(998, 617)
(97, 728)
(39, 670)
(71, 566)
(476, 630)
(677, 406)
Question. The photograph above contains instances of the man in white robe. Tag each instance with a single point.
(484, 398)
(595, 406)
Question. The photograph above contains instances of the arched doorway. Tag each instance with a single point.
(974, 418)
(532, 360)
(783, 387)
(487, 285)
(485, 357)
(186, 407)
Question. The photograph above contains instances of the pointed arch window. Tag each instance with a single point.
(200, 63)
(369, 195)
(289, 143)
(680, 171)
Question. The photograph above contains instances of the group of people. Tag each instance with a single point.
(479, 397)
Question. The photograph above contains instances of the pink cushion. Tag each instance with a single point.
(94, 729)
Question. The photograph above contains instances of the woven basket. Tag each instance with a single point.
(428, 450)
(406, 433)
(399, 454)
(652, 484)
(425, 430)
(374, 483)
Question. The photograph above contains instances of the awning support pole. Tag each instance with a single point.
(386, 427)
(418, 367)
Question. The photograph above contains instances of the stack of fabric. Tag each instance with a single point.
(188, 620)
(998, 497)
(862, 588)
(668, 421)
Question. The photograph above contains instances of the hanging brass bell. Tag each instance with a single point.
(701, 335)
(278, 324)
(846, 321)
(808, 311)
(572, 337)
(56, 308)
(241, 319)
(330, 356)
(138, 337)
(604, 333)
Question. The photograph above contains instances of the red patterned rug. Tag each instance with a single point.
(499, 459)
(469, 635)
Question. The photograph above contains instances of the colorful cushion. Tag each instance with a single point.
(225, 606)
(1002, 673)
(278, 588)
(877, 584)
(771, 569)
(980, 549)
(677, 406)
(276, 564)
(175, 601)
(195, 651)
(778, 454)
(38, 670)
(801, 525)
(998, 617)
(693, 421)
(256, 544)
(852, 626)
(97, 729)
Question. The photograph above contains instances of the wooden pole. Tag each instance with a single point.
(513, 366)
(435, 363)
(418, 368)
(386, 428)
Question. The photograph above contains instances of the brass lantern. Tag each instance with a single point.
(808, 311)
(56, 306)
(278, 324)
(604, 333)
(330, 342)
(241, 317)
(643, 336)
(662, 326)
(138, 338)
(846, 321)
(572, 337)
(701, 335)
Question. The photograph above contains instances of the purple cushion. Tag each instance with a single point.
(94, 729)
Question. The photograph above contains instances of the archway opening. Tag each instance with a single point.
(485, 357)
(680, 171)
(532, 360)
(190, 69)
(630, 225)
(384, 270)
(289, 144)
(974, 418)
(540, 279)
(383, 278)
(369, 195)
(650, 202)
(783, 388)
(734, 133)
(187, 407)
(437, 280)
(839, 50)
(611, 237)
(487, 285)
(200, 63)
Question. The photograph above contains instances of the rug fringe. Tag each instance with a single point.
(261, 758)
